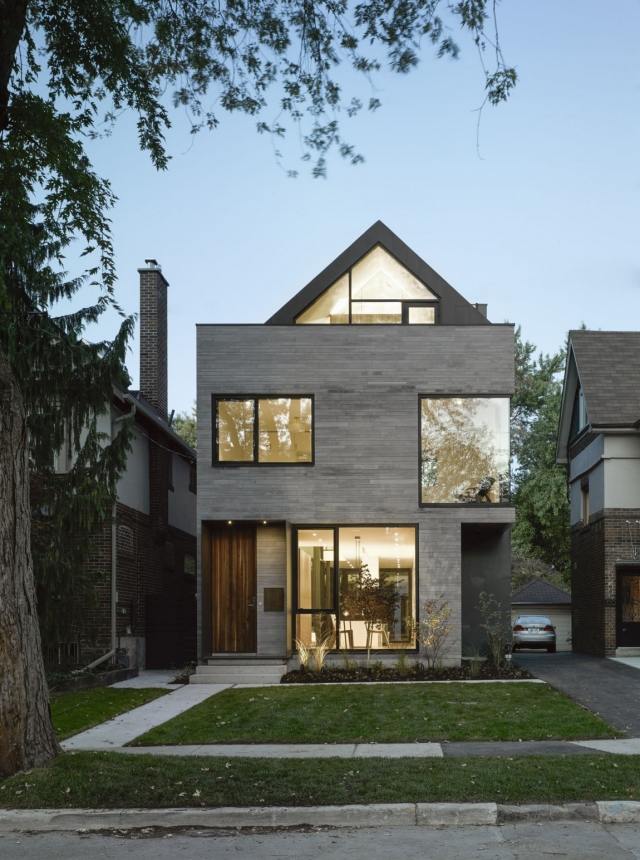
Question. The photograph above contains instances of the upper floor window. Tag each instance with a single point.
(263, 430)
(464, 445)
(377, 289)
(579, 414)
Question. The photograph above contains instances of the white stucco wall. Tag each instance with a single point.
(133, 486)
(182, 502)
(622, 471)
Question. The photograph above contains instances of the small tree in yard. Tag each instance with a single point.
(497, 627)
(371, 600)
(434, 629)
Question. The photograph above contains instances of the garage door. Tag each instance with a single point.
(560, 617)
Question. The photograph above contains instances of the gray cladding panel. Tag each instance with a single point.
(366, 381)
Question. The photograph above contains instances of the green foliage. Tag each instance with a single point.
(496, 623)
(539, 485)
(185, 425)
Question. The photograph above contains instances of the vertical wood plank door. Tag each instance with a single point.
(233, 580)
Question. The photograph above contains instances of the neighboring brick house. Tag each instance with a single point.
(360, 436)
(599, 441)
(144, 560)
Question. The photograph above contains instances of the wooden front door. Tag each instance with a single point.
(233, 581)
(628, 606)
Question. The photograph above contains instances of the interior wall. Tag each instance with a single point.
(486, 566)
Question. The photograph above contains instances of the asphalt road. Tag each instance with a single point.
(576, 840)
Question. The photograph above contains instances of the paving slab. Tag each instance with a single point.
(618, 746)
(416, 750)
(150, 678)
(509, 749)
(126, 727)
(607, 687)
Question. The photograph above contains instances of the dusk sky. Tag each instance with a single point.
(543, 225)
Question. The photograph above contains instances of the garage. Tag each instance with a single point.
(542, 598)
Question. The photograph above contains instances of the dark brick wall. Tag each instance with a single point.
(596, 551)
(145, 567)
(153, 338)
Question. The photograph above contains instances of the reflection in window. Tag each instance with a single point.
(264, 430)
(375, 600)
(315, 569)
(316, 628)
(378, 275)
(421, 315)
(285, 430)
(331, 308)
(376, 312)
(372, 292)
(234, 422)
(465, 449)
(630, 585)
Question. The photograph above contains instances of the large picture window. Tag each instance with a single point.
(356, 587)
(464, 446)
(263, 430)
(376, 290)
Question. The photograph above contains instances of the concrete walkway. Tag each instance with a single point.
(150, 678)
(485, 749)
(606, 687)
(124, 728)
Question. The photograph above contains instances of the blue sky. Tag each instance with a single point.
(544, 226)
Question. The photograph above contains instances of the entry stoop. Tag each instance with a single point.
(240, 670)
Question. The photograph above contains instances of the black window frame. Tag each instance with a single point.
(217, 398)
(335, 610)
(483, 396)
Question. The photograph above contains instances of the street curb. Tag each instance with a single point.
(437, 815)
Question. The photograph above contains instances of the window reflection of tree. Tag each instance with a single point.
(235, 429)
(285, 425)
(460, 462)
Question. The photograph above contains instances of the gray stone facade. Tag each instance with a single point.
(366, 382)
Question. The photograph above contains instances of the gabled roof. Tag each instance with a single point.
(606, 366)
(144, 408)
(454, 309)
(540, 592)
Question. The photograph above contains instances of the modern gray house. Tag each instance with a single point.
(359, 437)
(599, 441)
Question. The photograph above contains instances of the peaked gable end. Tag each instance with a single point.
(378, 258)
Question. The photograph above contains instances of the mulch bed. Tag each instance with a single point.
(419, 672)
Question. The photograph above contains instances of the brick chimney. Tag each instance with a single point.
(153, 335)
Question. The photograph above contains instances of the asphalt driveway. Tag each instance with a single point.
(606, 687)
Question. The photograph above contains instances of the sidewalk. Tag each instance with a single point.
(485, 749)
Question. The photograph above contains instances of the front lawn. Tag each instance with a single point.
(381, 713)
(108, 780)
(78, 710)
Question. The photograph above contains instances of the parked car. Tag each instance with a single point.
(534, 631)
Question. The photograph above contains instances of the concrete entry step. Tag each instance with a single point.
(243, 670)
(628, 652)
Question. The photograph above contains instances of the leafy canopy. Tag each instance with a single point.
(541, 531)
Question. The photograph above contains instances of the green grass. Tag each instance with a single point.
(104, 780)
(381, 713)
(78, 710)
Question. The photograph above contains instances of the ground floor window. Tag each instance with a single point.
(356, 586)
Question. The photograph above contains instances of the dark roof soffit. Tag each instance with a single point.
(454, 308)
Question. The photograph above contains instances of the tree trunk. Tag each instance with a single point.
(27, 738)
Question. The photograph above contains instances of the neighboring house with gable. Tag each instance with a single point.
(360, 434)
(144, 558)
(599, 442)
(543, 598)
